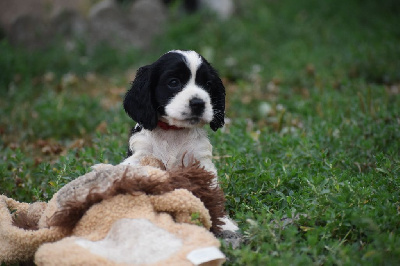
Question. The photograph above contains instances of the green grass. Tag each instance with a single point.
(313, 181)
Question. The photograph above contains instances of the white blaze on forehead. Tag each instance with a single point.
(192, 60)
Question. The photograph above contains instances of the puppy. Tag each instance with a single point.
(172, 100)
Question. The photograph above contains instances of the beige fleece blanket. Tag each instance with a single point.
(118, 215)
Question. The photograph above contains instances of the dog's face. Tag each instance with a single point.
(180, 88)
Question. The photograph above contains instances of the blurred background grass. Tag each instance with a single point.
(312, 138)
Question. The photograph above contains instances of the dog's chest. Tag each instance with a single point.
(172, 147)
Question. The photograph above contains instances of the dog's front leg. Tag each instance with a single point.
(229, 225)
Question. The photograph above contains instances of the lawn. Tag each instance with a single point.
(309, 158)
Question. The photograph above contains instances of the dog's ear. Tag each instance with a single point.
(218, 103)
(138, 101)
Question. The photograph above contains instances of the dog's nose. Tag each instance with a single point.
(197, 106)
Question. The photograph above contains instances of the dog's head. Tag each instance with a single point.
(181, 88)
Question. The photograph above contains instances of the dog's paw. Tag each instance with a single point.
(229, 224)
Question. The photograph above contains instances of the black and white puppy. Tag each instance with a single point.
(172, 100)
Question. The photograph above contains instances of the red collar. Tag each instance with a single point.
(166, 126)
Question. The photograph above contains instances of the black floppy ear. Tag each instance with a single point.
(138, 101)
(218, 103)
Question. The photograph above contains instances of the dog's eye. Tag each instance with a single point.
(209, 84)
(174, 83)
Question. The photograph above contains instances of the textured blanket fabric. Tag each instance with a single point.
(118, 215)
